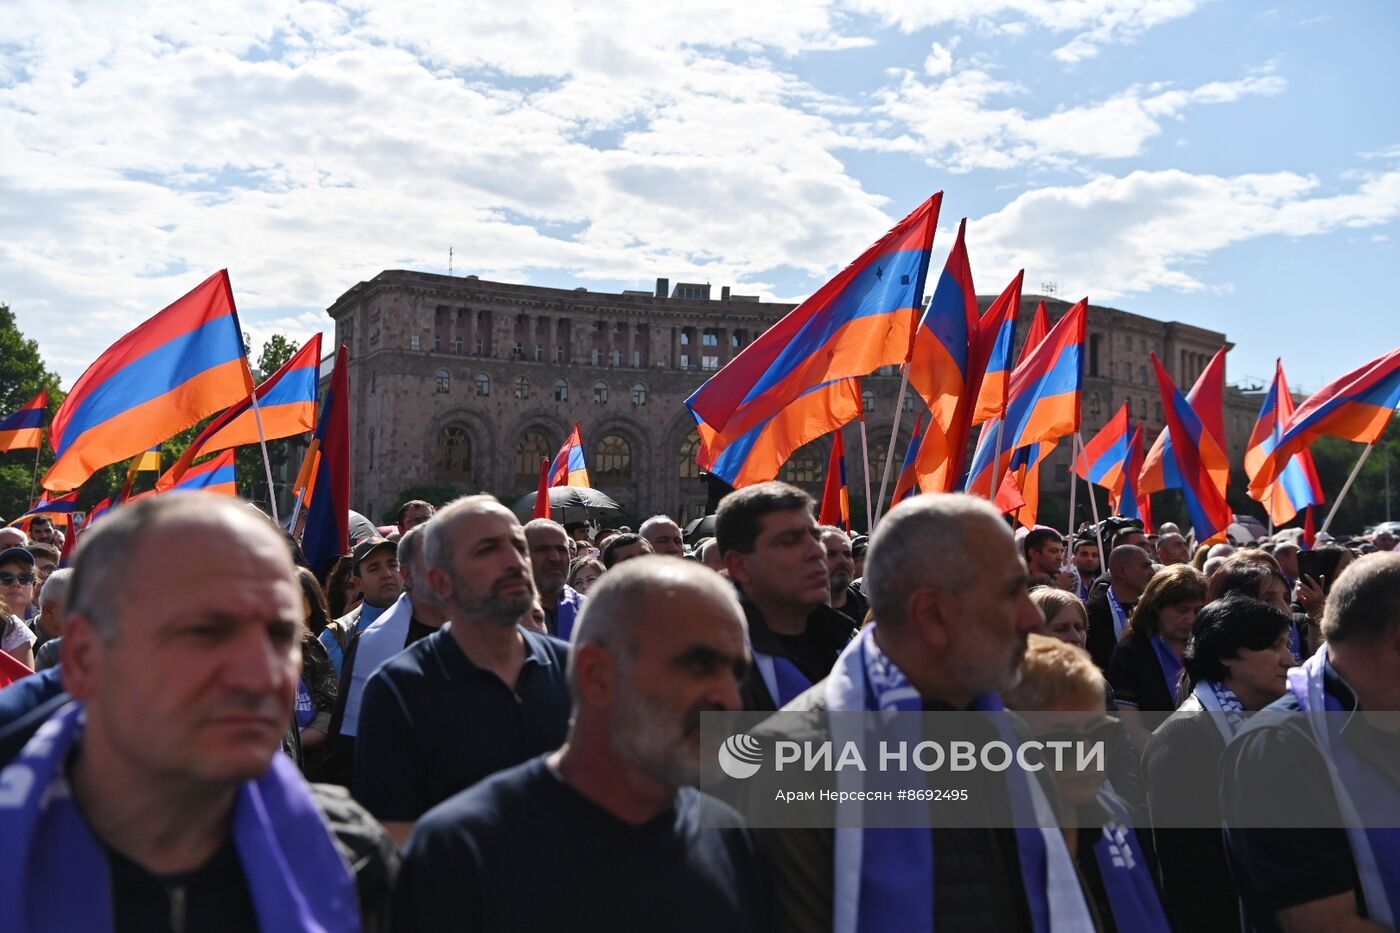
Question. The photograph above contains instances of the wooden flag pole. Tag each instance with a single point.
(1073, 488)
(1337, 503)
(1093, 500)
(34, 479)
(865, 453)
(267, 464)
(889, 450)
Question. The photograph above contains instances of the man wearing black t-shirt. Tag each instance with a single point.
(772, 548)
(1130, 570)
(156, 798)
(608, 833)
(481, 693)
(845, 598)
(1295, 875)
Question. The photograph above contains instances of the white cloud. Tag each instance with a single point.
(954, 123)
(1095, 23)
(1112, 237)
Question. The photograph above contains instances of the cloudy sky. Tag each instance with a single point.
(1231, 164)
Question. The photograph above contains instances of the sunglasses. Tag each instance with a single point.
(10, 579)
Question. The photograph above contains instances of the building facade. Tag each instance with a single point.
(466, 383)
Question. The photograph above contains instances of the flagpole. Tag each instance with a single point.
(304, 476)
(865, 453)
(267, 464)
(34, 479)
(1073, 488)
(1093, 500)
(1337, 503)
(889, 450)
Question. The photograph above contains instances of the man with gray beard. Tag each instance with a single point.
(841, 565)
(608, 833)
(479, 695)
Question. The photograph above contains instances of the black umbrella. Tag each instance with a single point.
(570, 503)
(700, 528)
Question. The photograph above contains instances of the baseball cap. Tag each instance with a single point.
(16, 554)
(367, 547)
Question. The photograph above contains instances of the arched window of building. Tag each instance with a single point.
(522, 388)
(1095, 343)
(689, 469)
(454, 455)
(483, 384)
(639, 394)
(444, 381)
(1142, 374)
(600, 393)
(533, 448)
(1095, 405)
(911, 401)
(877, 464)
(614, 459)
(561, 390)
(867, 400)
(804, 466)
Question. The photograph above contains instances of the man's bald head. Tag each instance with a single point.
(123, 550)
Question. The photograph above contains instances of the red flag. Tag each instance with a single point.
(836, 497)
(1309, 530)
(11, 670)
(542, 493)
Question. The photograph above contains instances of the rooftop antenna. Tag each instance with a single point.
(449, 260)
(1050, 288)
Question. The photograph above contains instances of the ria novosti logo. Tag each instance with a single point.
(740, 756)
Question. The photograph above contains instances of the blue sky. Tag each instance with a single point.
(1234, 165)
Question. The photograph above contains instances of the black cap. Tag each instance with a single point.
(858, 545)
(16, 554)
(367, 547)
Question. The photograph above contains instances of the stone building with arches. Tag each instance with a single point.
(468, 383)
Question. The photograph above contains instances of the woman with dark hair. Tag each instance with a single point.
(1252, 573)
(316, 692)
(342, 594)
(1236, 661)
(1145, 668)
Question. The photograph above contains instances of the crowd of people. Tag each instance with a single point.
(470, 723)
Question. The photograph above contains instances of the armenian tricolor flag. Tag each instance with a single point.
(569, 467)
(327, 533)
(836, 496)
(1105, 458)
(177, 368)
(908, 483)
(1207, 400)
(1298, 485)
(58, 507)
(216, 475)
(861, 320)
(25, 428)
(1356, 407)
(1193, 448)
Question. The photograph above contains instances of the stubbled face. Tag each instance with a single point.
(788, 562)
(1173, 550)
(1086, 559)
(490, 578)
(994, 615)
(200, 679)
(1046, 559)
(549, 558)
(42, 531)
(691, 665)
(840, 565)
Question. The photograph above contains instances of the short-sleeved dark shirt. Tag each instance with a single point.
(526, 851)
(432, 723)
(1279, 868)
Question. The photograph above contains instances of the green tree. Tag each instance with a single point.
(23, 375)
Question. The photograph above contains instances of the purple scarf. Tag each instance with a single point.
(51, 864)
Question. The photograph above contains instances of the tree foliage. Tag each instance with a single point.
(23, 375)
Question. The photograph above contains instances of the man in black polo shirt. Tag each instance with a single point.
(773, 551)
(480, 694)
(608, 833)
(1297, 876)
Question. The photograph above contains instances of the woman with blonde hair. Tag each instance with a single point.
(1065, 617)
(1061, 691)
(1145, 669)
